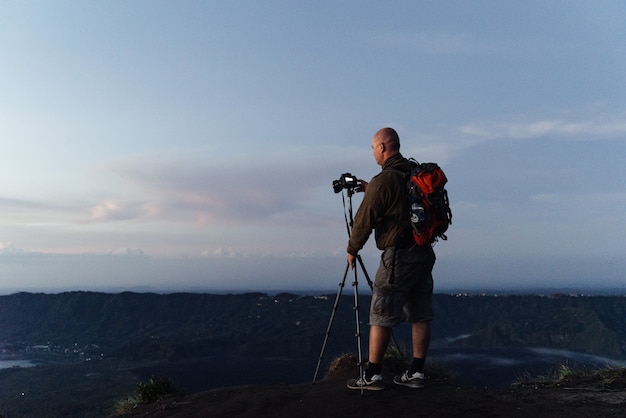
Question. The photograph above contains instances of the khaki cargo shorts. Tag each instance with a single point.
(403, 287)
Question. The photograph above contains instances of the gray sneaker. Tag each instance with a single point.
(375, 383)
(413, 381)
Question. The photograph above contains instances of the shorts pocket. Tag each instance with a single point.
(383, 303)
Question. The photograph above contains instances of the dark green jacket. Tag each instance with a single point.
(384, 209)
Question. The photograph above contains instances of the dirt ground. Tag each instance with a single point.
(441, 398)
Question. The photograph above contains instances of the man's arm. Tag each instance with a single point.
(364, 220)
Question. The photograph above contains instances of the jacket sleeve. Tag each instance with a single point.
(367, 216)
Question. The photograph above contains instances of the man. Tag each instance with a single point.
(403, 284)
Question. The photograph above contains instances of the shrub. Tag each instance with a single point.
(155, 389)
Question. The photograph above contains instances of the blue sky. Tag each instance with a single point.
(192, 144)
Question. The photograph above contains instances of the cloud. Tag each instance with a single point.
(19, 203)
(242, 190)
(37, 213)
(585, 129)
(9, 248)
(220, 252)
(129, 252)
(181, 204)
(112, 210)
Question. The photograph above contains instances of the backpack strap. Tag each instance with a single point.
(401, 237)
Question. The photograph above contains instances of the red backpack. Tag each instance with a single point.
(430, 208)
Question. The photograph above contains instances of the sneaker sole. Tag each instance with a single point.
(412, 385)
(365, 387)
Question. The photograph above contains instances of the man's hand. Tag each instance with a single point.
(351, 260)
(361, 187)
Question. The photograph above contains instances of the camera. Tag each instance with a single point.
(346, 181)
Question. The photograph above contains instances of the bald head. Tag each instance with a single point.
(389, 137)
(385, 144)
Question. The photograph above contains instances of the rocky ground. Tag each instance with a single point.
(599, 396)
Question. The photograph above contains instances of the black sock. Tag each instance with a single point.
(372, 369)
(417, 365)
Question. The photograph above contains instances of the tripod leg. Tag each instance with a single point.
(367, 276)
(371, 285)
(355, 284)
(330, 322)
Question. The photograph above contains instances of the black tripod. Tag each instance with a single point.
(355, 285)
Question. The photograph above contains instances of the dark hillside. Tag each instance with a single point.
(594, 325)
(204, 341)
(113, 321)
(134, 325)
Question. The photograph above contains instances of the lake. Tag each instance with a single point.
(499, 367)
(7, 364)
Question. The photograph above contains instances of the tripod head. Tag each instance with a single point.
(349, 183)
(346, 181)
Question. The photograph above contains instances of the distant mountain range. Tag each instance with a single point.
(152, 333)
(161, 327)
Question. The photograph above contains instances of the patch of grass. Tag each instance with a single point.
(564, 376)
(126, 406)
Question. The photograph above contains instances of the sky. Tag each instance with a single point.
(192, 145)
